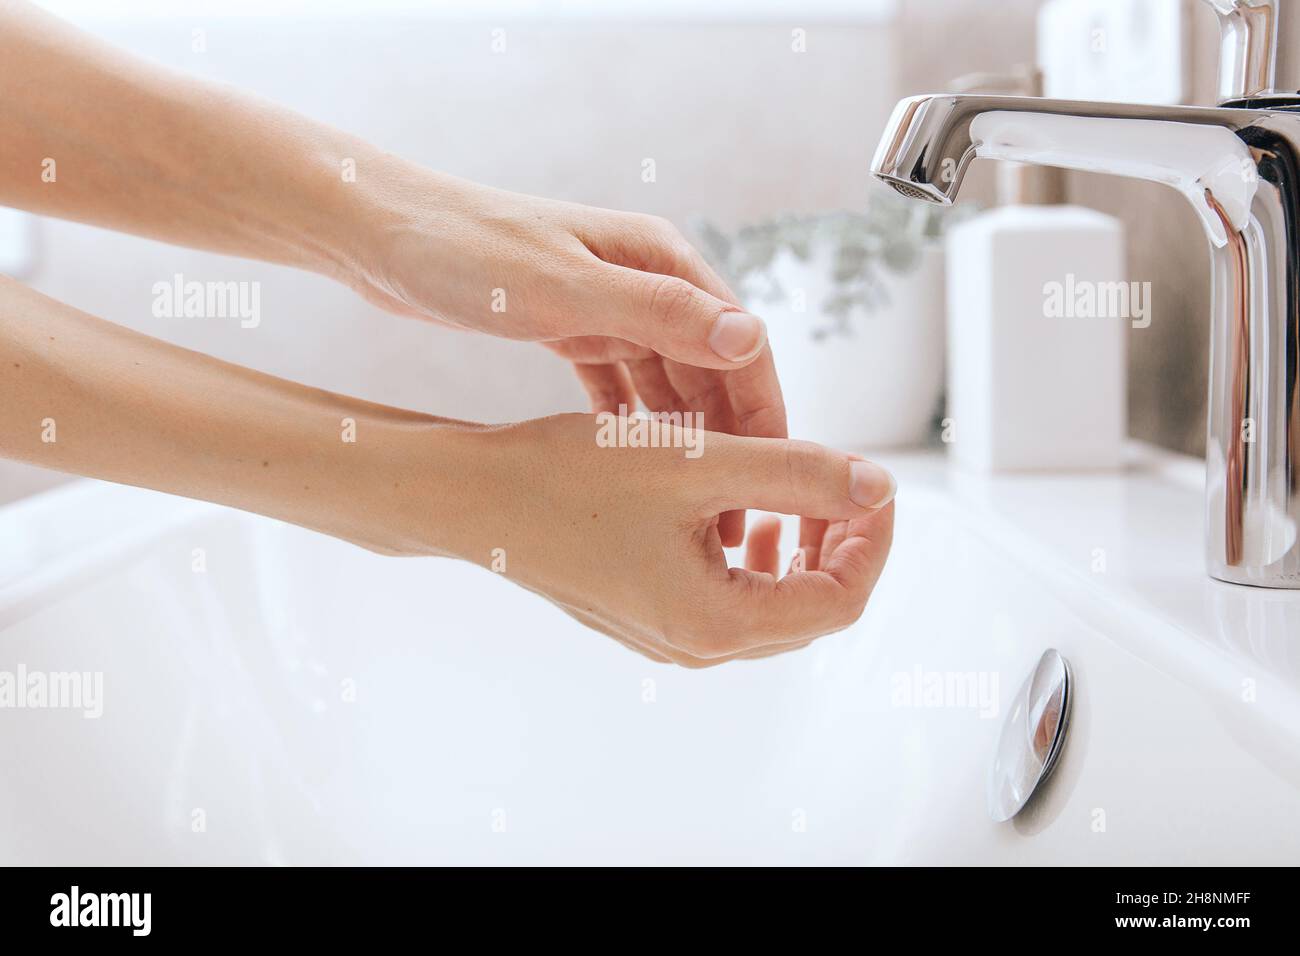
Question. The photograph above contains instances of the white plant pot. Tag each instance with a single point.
(876, 385)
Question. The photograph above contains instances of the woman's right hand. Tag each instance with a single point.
(626, 539)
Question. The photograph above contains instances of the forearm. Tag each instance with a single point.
(82, 395)
(99, 136)
(93, 134)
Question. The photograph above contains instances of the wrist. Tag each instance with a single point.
(335, 220)
(377, 208)
(400, 225)
(419, 486)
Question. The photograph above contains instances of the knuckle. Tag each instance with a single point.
(672, 299)
(673, 241)
(603, 398)
(856, 610)
(659, 225)
(763, 418)
(686, 261)
(647, 230)
(673, 247)
(805, 463)
(848, 610)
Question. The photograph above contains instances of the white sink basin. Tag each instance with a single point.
(487, 727)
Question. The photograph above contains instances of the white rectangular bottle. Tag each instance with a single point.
(1039, 304)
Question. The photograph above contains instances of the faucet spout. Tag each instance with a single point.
(931, 140)
(1239, 168)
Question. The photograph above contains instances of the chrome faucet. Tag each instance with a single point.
(1238, 164)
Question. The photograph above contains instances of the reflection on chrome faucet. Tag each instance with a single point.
(1240, 170)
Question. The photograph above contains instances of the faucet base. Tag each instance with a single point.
(1255, 580)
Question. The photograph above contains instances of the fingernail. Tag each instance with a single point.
(870, 486)
(737, 336)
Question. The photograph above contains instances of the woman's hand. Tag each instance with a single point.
(626, 539)
(623, 538)
(622, 295)
(600, 286)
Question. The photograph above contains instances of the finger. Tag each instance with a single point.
(703, 390)
(755, 395)
(652, 384)
(754, 391)
(608, 387)
(657, 392)
(731, 528)
(762, 550)
(794, 477)
(836, 531)
(809, 604)
(597, 349)
(757, 406)
(677, 319)
(811, 533)
(753, 404)
(859, 558)
(651, 244)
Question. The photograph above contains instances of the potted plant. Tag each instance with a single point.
(855, 312)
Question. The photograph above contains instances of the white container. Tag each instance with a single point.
(1036, 376)
(877, 382)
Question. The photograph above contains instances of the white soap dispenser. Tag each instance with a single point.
(1038, 306)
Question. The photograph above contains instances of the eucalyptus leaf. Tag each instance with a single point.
(886, 238)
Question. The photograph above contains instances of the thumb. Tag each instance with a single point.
(680, 321)
(796, 478)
